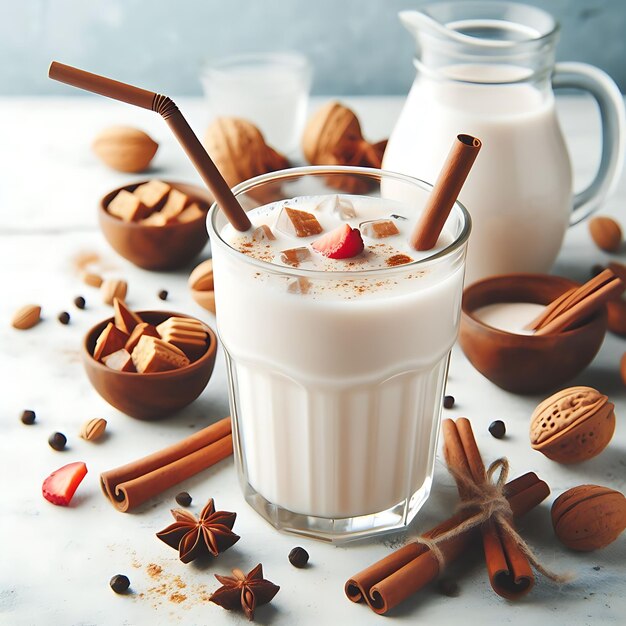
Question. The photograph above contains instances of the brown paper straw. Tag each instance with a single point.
(132, 484)
(175, 120)
(445, 192)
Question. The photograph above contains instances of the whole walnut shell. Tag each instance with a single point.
(572, 425)
(239, 150)
(333, 130)
(333, 137)
(589, 517)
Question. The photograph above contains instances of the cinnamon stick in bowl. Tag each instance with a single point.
(132, 484)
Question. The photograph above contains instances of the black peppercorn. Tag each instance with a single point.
(79, 302)
(57, 441)
(28, 417)
(64, 317)
(163, 294)
(497, 429)
(448, 402)
(119, 583)
(299, 557)
(183, 498)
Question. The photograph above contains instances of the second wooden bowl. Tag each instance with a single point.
(525, 363)
(149, 396)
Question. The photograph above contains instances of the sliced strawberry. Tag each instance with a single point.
(342, 243)
(60, 486)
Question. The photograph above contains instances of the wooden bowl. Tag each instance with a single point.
(156, 247)
(526, 363)
(149, 396)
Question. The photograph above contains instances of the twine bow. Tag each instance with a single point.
(491, 503)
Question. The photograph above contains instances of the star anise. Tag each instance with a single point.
(211, 533)
(245, 591)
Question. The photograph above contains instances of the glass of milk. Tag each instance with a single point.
(270, 90)
(336, 368)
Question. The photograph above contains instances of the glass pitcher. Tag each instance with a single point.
(487, 69)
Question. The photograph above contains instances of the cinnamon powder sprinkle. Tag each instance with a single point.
(154, 570)
(398, 259)
(178, 597)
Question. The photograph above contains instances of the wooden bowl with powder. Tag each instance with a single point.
(526, 363)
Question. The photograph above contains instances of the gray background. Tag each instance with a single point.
(356, 46)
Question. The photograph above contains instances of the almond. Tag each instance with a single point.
(606, 233)
(91, 279)
(589, 517)
(125, 149)
(26, 316)
(113, 288)
(201, 278)
(93, 429)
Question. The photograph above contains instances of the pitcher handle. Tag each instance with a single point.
(611, 105)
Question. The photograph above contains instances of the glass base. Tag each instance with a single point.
(338, 530)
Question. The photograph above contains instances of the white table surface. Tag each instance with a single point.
(56, 562)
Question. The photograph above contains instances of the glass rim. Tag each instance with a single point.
(325, 170)
(287, 58)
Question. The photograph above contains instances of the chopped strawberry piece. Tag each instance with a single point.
(342, 243)
(61, 485)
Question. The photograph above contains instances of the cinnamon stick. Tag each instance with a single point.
(582, 309)
(445, 192)
(391, 580)
(132, 484)
(575, 305)
(510, 573)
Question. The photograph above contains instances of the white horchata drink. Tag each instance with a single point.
(337, 366)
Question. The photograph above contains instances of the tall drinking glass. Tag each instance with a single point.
(336, 378)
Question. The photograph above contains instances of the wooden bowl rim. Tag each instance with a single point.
(197, 194)
(197, 364)
(598, 318)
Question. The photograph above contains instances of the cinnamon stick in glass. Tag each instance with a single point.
(175, 120)
(510, 573)
(445, 192)
(132, 484)
(392, 580)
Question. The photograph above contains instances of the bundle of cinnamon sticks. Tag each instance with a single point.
(393, 579)
(575, 305)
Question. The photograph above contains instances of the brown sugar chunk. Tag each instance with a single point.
(298, 223)
(191, 213)
(378, 229)
(174, 205)
(120, 361)
(152, 354)
(141, 329)
(188, 335)
(125, 319)
(152, 194)
(128, 207)
(110, 340)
